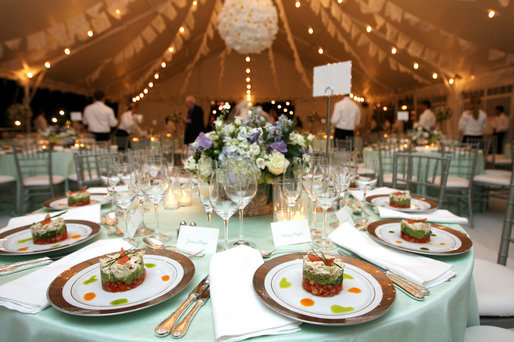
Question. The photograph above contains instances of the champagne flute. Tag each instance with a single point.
(242, 188)
(155, 183)
(206, 167)
(310, 180)
(222, 204)
(366, 183)
(136, 163)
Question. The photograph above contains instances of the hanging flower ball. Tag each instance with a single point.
(248, 26)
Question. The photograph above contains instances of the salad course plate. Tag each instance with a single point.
(78, 290)
(443, 240)
(18, 241)
(61, 203)
(417, 204)
(366, 295)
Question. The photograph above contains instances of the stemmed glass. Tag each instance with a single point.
(242, 188)
(222, 204)
(310, 176)
(366, 183)
(154, 183)
(108, 175)
(326, 190)
(205, 170)
(292, 183)
(123, 199)
(137, 162)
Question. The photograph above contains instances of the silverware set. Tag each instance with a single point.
(25, 265)
(177, 326)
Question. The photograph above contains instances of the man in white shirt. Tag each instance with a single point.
(346, 117)
(99, 118)
(501, 127)
(427, 118)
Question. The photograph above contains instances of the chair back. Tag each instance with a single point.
(420, 173)
(87, 167)
(508, 221)
(94, 147)
(463, 159)
(386, 150)
(32, 160)
(486, 144)
(344, 144)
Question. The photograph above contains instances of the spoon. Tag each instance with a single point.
(110, 219)
(156, 244)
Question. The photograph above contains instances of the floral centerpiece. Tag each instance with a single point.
(422, 136)
(57, 135)
(270, 146)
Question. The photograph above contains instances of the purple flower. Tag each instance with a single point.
(203, 141)
(280, 146)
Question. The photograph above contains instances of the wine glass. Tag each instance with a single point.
(107, 168)
(292, 183)
(206, 166)
(366, 183)
(222, 204)
(185, 152)
(136, 163)
(154, 183)
(123, 199)
(311, 174)
(242, 188)
(326, 191)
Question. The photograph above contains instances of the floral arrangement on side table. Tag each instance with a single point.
(442, 113)
(57, 135)
(422, 136)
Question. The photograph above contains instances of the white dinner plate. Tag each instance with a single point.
(417, 203)
(61, 203)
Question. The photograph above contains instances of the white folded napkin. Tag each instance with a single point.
(87, 213)
(28, 293)
(238, 312)
(440, 215)
(421, 270)
(378, 191)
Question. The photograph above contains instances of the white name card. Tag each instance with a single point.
(338, 76)
(403, 115)
(134, 222)
(290, 232)
(343, 215)
(194, 239)
(76, 116)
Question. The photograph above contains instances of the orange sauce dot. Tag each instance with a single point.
(165, 278)
(398, 242)
(355, 290)
(61, 204)
(22, 249)
(307, 302)
(442, 244)
(76, 236)
(89, 296)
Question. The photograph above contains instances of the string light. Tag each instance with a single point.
(298, 4)
(181, 29)
(491, 14)
(310, 30)
(279, 106)
(118, 12)
(145, 90)
(138, 98)
(54, 120)
(163, 65)
(134, 99)
(285, 110)
(339, 1)
(415, 65)
(451, 81)
(288, 103)
(30, 75)
(141, 95)
(90, 33)
(61, 112)
(171, 49)
(150, 84)
(394, 50)
(434, 75)
(369, 28)
(48, 65)
(272, 102)
(404, 107)
(291, 112)
(247, 59)
(247, 70)
(351, 95)
(248, 79)
(384, 108)
(320, 50)
(248, 91)
(156, 76)
(67, 51)
(248, 86)
(17, 123)
(195, 3)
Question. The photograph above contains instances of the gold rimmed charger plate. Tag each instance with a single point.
(18, 241)
(61, 203)
(366, 295)
(78, 290)
(444, 241)
(421, 204)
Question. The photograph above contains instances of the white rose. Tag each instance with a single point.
(261, 163)
(254, 149)
(229, 128)
(205, 167)
(277, 163)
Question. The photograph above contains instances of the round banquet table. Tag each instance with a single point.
(443, 316)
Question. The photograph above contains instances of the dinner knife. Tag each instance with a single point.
(164, 328)
(24, 265)
(181, 327)
(417, 292)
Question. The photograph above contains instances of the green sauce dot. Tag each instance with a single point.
(23, 241)
(284, 284)
(347, 276)
(55, 246)
(119, 301)
(90, 280)
(424, 249)
(149, 265)
(391, 231)
(433, 234)
(340, 309)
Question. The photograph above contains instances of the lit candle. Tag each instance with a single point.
(185, 198)
(170, 200)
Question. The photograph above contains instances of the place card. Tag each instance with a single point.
(194, 239)
(134, 222)
(290, 232)
(344, 215)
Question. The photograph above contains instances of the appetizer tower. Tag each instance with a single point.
(48, 231)
(415, 230)
(400, 199)
(322, 276)
(78, 198)
(122, 271)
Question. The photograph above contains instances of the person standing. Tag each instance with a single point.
(99, 118)
(346, 117)
(194, 121)
(427, 118)
(501, 128)
(40, 123)
(128, 123)
(473, 121)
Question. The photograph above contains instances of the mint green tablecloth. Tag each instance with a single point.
(443, 316)
(62, 164)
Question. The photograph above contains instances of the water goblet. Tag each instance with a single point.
(123, 199)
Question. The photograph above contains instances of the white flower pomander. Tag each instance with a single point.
(277, 163)
(248, 26)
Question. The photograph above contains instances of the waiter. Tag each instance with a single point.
(99, 118)
(347, 116)
(193, 122)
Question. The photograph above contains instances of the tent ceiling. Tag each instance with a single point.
(445, 36)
